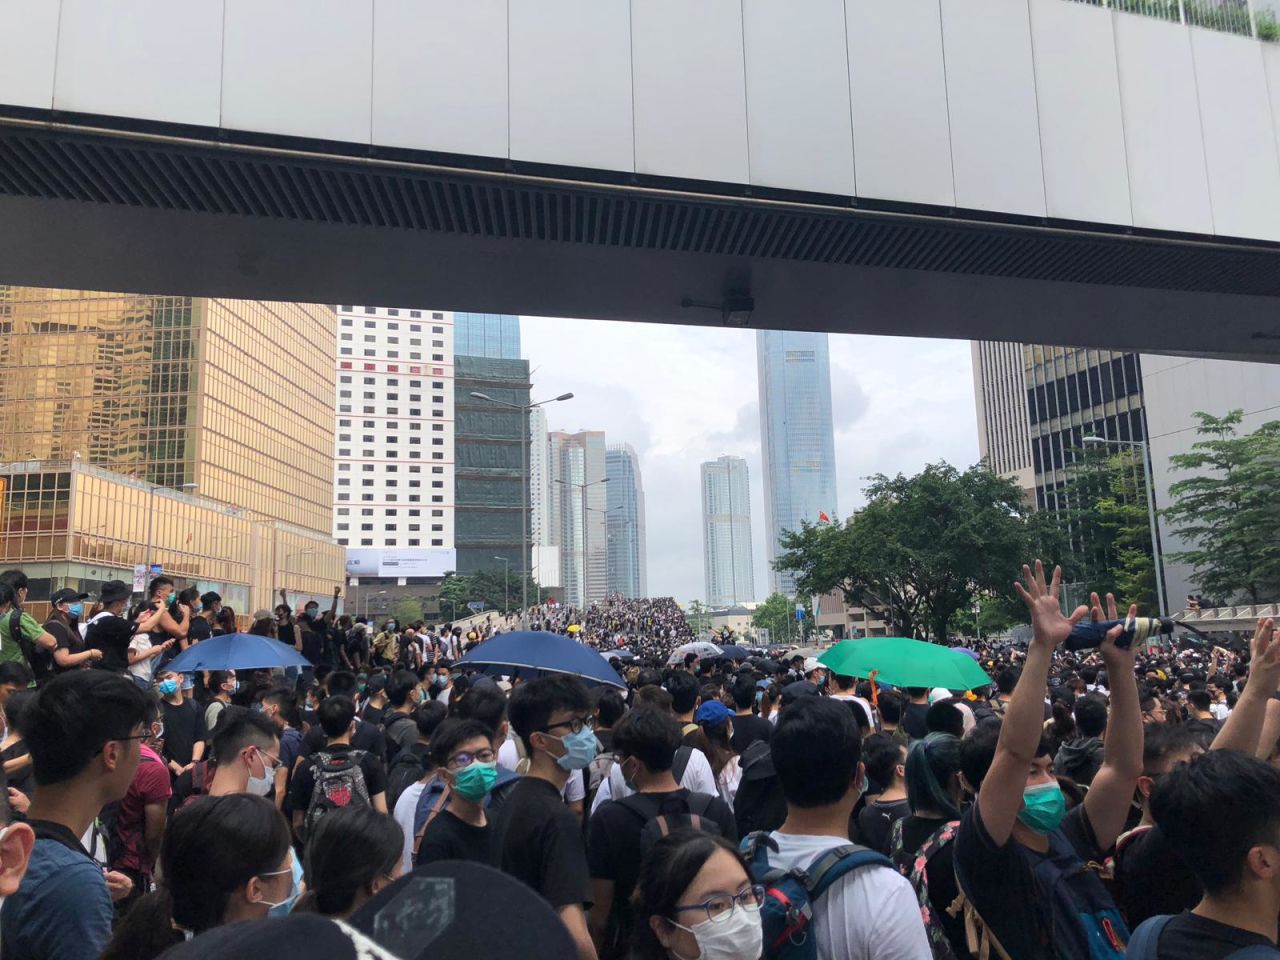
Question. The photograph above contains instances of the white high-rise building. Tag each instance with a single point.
(578, 505)
(726, 532)
(546, 553)
(393, 486)
(1000, 392)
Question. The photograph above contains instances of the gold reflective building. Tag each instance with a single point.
(192, 433)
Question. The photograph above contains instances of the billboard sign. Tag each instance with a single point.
(405, 562)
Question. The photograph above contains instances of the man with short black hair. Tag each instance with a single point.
(201, 625)
(917, 709)
(685, 698)
(84, 732)
(337, 716)
(644, 743)
(885, 760)
(748, 727)
(184, 730)
(462, 751)
(246, 746)
(535, 837)
(1080, 757)
(1220, 811)
(367, 736)
(404, 694)
(869, 912)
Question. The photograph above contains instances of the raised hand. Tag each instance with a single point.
(1264, 666)
(1048, 625)
(1112, 655)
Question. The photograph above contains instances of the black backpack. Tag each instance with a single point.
(409, 766)
(393, 748)
(685, 811)
(759, 804)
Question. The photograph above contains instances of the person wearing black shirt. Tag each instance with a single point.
(645, 743)
(1220, 811)
(201, 626)
(367, 735)
(337, 716)
(536, 838)
(64, 626)
(885, 760)
(915, 712)
(184, 729)
(110, 633)
(463, 752)
(747, 726)
(1016, 828)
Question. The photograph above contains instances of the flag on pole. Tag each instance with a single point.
(822, 517)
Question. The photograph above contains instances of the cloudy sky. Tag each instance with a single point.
(681, 395)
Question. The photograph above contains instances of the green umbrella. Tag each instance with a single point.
(905, 663)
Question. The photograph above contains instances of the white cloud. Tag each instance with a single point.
(681, 395)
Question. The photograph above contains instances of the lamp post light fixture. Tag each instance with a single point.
(524, 409)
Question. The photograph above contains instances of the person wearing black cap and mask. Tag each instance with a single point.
(109, 632)
(64, 625)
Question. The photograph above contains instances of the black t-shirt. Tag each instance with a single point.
(304, 780)
(1189, 937)
(199, 630)
(997, 880)
(111, 635)
(68, 638)
(448, 838)
(941, 874)
(876, 820)
(913, 720)
(538, 841)
(613, 836)
(183, 729)
(1152, 878)
(375, 715)
(747, 730)
(368, 736)
(312, 644)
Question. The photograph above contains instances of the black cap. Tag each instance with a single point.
(794, 691)
(67, 595)
(114, 590)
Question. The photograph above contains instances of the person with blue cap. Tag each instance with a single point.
(716, 721)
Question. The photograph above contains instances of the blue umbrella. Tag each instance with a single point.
(549, 652)
(236, 651)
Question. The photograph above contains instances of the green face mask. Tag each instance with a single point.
(1043, 807)
(474, 781)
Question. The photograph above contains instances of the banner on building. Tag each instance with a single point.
(407, 562)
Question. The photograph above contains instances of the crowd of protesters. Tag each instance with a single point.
(1103, 803)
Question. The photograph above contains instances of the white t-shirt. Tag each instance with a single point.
(142, 669)
(509, 756)
(404, 813)
(730, 777)
(869, 914)
(697, 777)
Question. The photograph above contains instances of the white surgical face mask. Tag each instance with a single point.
(737, 937)
(260, 786)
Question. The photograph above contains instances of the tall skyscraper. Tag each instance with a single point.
(546, 551)
(1004, 432)
(492, 335)
(797, 442)
(726, 532)
(394, 442)
(189, 433)
(624, 522)
(490, 485)
(577, 516)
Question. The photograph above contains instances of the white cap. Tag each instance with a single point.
(812, 664)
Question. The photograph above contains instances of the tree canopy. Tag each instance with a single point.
(492, 587)
(1228, 509)
(922, 548)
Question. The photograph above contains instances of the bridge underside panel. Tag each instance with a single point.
(99, 210)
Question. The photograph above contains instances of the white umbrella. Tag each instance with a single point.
(702, 648)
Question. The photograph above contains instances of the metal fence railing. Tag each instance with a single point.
(1229, 16)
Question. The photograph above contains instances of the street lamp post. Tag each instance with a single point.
(524, 409)
(583, 488)
(151, 516)
(1145, 451)
(506, 583)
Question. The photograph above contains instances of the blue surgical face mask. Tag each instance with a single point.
(580, 749)
(168, 687)
(76, 609)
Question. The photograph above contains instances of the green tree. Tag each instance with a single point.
(1228, 510)
(453, 597)
(774, 615)
(922, 548)
(407, 610)
(698, 617)
(491, 586)
(996, 613)
(1102, 518)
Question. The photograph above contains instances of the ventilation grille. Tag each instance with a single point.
(135, 173)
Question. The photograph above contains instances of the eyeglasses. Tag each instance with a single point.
(575, 725)
(275, 761)
(460, 760)
(720, 907)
